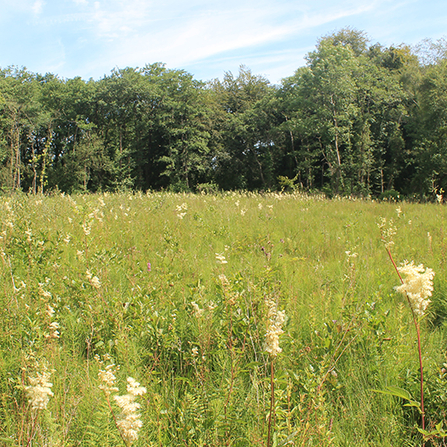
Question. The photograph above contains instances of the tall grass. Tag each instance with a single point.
(191, 329)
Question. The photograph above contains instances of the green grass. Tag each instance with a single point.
(207, 373)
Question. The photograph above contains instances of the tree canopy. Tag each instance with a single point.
(356, 119)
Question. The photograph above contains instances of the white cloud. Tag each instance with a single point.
(38, 6)
(184, 40)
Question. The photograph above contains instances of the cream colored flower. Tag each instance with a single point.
(39, 390)
(220, 258)
(129, 422)
(275, 321)
(417, 285)
(108, 379)
(197, 310)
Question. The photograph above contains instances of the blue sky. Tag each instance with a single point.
(89, 38)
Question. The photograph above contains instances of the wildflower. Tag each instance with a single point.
(220, 258)
(149, 267)
(351, 255)
(195, 351)
(129, 422)
(94, 280)
(87, 228)
(197, 310)
(276, 320)
(182, 207)
(108, 379)
(388, 230)
(417, 286)
(54, 333)
(39, 390)
(224, 280)
(42, 292)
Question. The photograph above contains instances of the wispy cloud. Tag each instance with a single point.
(270, 35)
(38, 6)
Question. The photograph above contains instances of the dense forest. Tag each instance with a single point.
(356, 119)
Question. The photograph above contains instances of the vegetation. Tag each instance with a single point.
(357, 119)
(236, 319)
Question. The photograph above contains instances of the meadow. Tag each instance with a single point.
(141, 319)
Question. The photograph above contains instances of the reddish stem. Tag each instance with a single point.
(416, 324)
(272, 402)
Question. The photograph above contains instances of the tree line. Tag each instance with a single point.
(356, 119)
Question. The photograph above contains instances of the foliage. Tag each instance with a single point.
(358, 119)
(177, 290)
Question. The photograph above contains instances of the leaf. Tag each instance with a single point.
(395, 391)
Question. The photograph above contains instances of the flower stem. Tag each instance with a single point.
(418, 332)
(272, 402)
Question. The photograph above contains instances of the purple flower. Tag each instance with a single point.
(149, 267)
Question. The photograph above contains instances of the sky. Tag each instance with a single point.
(90, 38)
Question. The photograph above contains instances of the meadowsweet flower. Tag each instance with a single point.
(220, 258)
(129, 422)
(54, 333)
(87, 228)
(224, 280)
(388, 230)
(108, 379)
(197, 310)
(39, 390)
(417, 286)
(275, 321)
(94, 280)
(42, 292)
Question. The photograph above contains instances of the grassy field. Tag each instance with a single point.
(178, 292)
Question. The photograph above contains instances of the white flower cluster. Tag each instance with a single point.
(108, 379)
(220, 258)
(181, 210)
(53, 326)
(94, 280)
(388, 230)
(276, 320)
(417, 285)
(129, 422)
(39, 390)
